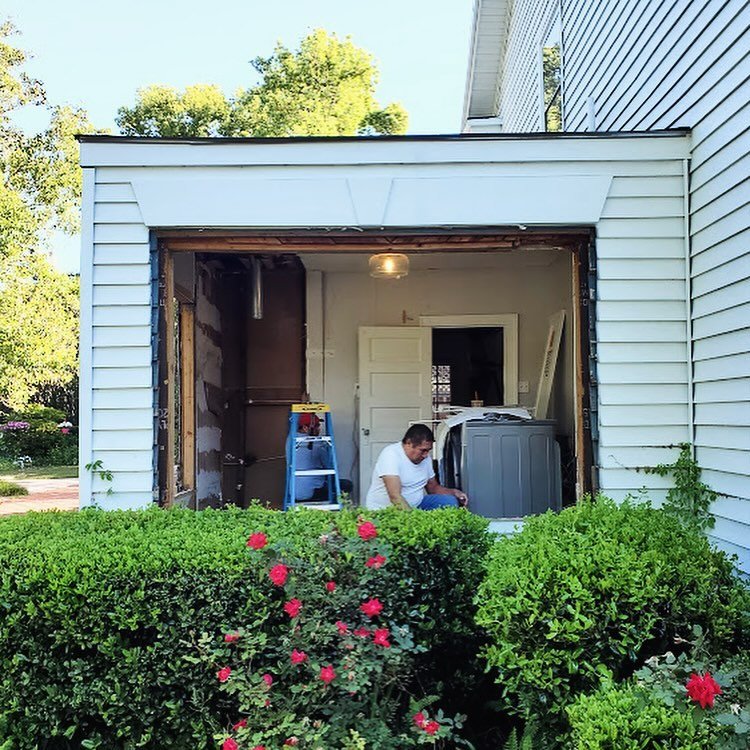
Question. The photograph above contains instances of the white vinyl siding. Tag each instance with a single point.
(629, 189)
(119, 360)
(520, 92)
(685, 64)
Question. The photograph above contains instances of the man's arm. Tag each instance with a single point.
(393, 488)
(433, 487)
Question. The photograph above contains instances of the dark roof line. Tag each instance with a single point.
(672, 132)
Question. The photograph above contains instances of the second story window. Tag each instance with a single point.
(552, 83)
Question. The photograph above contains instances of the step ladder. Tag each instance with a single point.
(294, 439)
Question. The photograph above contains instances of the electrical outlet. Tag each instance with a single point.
(523, 386)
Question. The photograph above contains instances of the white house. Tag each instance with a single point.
(638, 66)
(224, 279)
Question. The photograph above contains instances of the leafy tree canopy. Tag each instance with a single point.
(326, 87)
(40, 191)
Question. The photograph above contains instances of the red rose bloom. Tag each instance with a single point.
(380, 637)
(258, 540)
(431, 727)
(367, 530)
(703, 689)
(342, 627)
(259, 747)
(223, 674)
(229, 744)
(372, 607)
(291, 741)
(419, 719)
(292, 607)
(330, 587)
(375, 562)
(278, 574)
(327, 674)
(231, 637)
(361, 632)
(298, 657)
(241, 724)
(268, 679)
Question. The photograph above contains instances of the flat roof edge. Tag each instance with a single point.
(452, 137)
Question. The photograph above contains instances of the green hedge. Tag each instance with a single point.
(592, 592)
(627, 718)
(100, 611)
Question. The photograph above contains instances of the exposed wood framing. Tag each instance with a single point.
(169, 350)
(578, 387)
(187, 394)
(362, 242)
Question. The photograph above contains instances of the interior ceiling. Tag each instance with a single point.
(437, 261)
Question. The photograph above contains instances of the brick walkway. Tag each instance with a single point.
(44, 494)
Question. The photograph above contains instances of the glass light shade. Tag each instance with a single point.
(389, 265)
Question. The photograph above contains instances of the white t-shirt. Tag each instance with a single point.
(392, 461)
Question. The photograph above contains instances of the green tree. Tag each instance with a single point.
(40, 192)
(326, 87)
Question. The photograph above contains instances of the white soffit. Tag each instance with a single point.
(396, 202)
(489, 33)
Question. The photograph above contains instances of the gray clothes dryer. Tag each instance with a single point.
(510, 469)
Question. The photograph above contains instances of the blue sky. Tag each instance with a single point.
(95, 53)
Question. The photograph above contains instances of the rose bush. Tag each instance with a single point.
(335, 662)
(100, 611)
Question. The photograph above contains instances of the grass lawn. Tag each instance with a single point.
(11, 473)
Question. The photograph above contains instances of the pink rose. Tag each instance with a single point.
(431, 727)
(380, 637)
(703, 689)
(372, 607)
(229, 744)
(298, 657)
(342, 627)
(223, 674)
(375, 562)
(268, 679)
(292, 607)
(330, 587)
(367, 530)
(241, 724)
(278, 574)
(327, 674)
(231, 637)
(257, 540)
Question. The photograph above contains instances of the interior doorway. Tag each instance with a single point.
(467, 366)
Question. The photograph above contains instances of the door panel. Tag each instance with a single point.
(395, 365)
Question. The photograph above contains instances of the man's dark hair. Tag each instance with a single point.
(418, 434)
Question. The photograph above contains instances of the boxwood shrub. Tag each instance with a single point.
(100, 613)
(591, 593)
(625, 717)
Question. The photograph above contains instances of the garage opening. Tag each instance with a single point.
(264, 321)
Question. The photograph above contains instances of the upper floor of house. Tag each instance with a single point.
(579, 65)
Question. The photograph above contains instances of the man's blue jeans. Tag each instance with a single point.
(433, 502)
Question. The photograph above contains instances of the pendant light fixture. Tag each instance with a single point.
(389, 265)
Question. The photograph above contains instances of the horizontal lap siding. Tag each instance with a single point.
(641, 335)
(121, 356)
(696, 76)
(520, 92)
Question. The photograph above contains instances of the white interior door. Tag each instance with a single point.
(395, 368)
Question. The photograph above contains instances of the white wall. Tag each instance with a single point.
(520, 89)
(534, 290)
(686, 64)
(630, 189)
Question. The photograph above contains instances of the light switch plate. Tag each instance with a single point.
(523, 386)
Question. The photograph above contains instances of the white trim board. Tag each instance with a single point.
(508, 322)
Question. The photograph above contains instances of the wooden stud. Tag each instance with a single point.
(187, 394)
(169, 341)
(578, 356)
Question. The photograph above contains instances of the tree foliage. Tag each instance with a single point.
(40, 191)
(326, 87)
